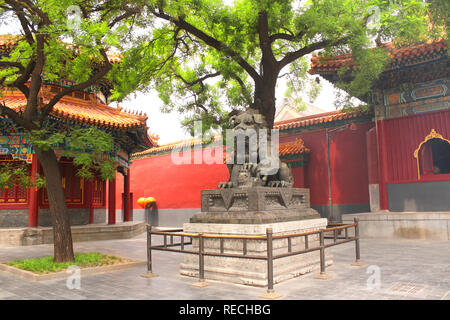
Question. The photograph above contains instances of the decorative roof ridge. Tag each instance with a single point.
(293, 147)
(312, 116)
(396, 53)
(353, 112)
(112, 114)
(180, 143)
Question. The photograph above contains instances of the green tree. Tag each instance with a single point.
(207, 56)
(66, 40)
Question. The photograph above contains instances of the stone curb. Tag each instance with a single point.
(63, 274)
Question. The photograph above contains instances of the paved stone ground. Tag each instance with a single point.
(408, 269)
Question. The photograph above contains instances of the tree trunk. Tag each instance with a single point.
(264, 99)
(62, 235)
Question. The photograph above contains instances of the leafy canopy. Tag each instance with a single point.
(206, 57)
(62, 40)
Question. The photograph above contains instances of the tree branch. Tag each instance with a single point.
(13, 64)
(210, 41)
(264, 42)
(128, 13)
(15, 117)
(18, 11)
(285, 36)
(292, 56)
(199, 80)
(81, 86)
(34, 10)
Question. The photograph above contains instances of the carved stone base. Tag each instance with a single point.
(254, 205)
(250, 271)
(255, 217)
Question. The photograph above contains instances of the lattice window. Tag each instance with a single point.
(17, 194)
(72, 184)
(98, 192)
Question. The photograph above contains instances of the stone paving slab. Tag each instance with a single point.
(406, 269)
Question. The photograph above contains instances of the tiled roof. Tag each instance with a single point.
(287, 148)
(316, 119)
(81, 111)
(403, 56)
(7, 41)
(293, 147)
(172, 145)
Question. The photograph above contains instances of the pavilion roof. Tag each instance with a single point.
(319, 119)
(82, 111)
(165, 148)
(400, 57)
(417, 63)
(90, 112)
(293, 147)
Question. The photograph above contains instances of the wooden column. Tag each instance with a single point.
(382, 164)
(112, 201)
(33, 209)
(126, 197)
(89, 199)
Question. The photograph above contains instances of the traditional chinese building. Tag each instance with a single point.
(88, 201)
(408, 145)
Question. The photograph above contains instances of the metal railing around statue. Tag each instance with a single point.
(335, 229)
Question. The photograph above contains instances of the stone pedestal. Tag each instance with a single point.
(250, 271)
(255, 205)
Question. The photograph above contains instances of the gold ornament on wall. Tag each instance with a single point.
(432, 135)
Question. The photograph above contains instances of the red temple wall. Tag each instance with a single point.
(349, 165)
(179, 186)
(173, 186)
(315, 173)
(402, 136)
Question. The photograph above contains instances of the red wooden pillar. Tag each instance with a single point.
(112, 201)
(89, 199)
(126, 197)
(33, 209)
(382, 164)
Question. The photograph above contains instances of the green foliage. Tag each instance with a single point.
(45, 265)
(12, 175)
(193, 76)
(439, 17)
(72, 51)
(162, 46)
(87, 146)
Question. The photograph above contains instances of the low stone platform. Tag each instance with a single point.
(250, 271)
(92, 232)
(402, 225)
